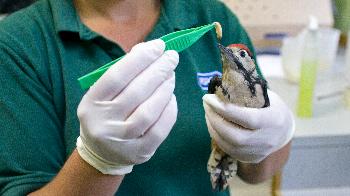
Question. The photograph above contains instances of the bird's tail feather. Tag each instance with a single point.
(222, 168)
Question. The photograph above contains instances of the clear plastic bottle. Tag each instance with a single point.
(308, 73)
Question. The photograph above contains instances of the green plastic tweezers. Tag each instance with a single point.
(179, 41)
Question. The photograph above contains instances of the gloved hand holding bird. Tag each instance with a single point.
(247, 122)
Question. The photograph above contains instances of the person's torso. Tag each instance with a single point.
(179, 165)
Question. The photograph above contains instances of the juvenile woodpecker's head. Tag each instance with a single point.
(241, 83)
(236, 58)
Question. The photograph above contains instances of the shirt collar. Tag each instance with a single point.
(179, 15)
(64, 16)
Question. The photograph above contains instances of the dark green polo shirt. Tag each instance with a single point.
(45, 48)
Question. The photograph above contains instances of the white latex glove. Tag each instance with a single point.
(130, 110)
(249, 134)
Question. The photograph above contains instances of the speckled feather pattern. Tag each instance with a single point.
(241, 85)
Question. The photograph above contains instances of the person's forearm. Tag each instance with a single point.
(256, 173)
(79, 178)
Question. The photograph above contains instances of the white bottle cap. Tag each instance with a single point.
(313, 23)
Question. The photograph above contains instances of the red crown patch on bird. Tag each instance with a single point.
(242, 46)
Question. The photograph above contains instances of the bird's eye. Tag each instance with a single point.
(242, 53)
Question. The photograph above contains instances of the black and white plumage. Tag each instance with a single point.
(241, 85)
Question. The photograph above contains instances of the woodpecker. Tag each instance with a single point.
(241, 85)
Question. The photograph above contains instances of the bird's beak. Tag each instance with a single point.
(226, 53)
(223, 50)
